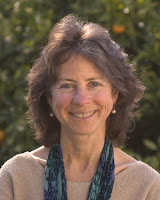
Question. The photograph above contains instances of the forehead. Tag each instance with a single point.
(78, 66)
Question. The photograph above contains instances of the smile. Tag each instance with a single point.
(83, 115)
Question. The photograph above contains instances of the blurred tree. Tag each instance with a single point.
(25, 25)
(134, 24)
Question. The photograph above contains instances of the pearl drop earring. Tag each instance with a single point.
(114, 111)
(51, 114)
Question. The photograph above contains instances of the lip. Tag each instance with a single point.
(78, 115)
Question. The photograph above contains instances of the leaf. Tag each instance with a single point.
(159, 141)
(150, 145)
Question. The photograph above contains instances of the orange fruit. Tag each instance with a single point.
(2, 136)
(118, 29)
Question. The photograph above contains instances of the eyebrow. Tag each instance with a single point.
(89, 79)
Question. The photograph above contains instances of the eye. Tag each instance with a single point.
(67, 85)
(95, 84)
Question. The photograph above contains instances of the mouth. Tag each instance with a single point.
(83, 115)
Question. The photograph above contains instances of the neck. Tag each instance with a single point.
(81, 155)
(81, 148)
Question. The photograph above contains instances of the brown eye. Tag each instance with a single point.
(66, 85)
(94, 84)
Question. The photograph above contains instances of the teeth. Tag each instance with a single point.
(83, 115)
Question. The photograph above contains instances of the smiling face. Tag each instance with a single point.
(82, 98)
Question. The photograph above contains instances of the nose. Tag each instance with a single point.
(81, 97)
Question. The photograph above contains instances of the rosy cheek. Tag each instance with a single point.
(106, 103)
(103, 98)
(61, 99)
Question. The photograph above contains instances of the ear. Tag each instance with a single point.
(50, 101)
(115, 96)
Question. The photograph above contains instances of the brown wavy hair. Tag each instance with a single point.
(72, 36)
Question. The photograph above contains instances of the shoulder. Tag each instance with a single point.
(138, 172)
(139, 177)
(138, 181)
(141, 170)
(20, 163)
(15, 160)
(22, 178)
(127, 165)
(135, 179)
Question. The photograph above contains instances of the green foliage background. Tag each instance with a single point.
(24, 27)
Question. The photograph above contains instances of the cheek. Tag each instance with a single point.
(105, 100)
(61, 100)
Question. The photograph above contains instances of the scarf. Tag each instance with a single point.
(55, 180)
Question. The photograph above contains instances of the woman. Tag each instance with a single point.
(82, 99)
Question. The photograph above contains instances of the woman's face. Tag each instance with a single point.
(82, 98)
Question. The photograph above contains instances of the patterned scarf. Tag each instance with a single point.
(55, 180)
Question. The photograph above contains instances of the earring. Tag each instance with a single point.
(113, 111)
(51, 114)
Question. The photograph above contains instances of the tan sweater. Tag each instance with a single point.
(22, 178)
